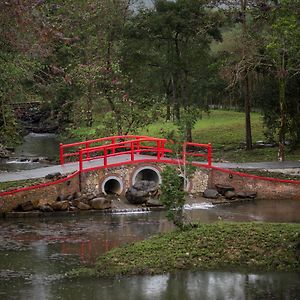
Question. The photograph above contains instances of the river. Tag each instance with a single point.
(36, 253)
(36, 151)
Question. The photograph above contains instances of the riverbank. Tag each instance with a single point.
(217, 246)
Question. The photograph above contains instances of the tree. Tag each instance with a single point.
(22, 47)
(283, 54)
(175, 51)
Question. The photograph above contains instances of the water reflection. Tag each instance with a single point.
(185, 285)
(36, 253)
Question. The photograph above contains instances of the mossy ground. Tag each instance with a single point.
(217, 246)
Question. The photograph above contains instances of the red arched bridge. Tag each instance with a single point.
(119, 150)
(115, 151)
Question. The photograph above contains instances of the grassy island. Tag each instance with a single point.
(226, 246)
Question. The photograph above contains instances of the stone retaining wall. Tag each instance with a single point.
(91, 182)
(265, 189)
(42, 195)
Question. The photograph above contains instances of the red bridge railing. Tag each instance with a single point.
(195, 150)
(149, 149)
(74, 148)
(137, 148)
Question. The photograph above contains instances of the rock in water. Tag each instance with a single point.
(141, 191)
(211, 194)
(153, 202)
(83, 206)
(60, 205)
(222, 189)
(230, 195)
(27, 206)
(100, 203)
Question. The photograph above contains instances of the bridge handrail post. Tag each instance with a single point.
(87, 145)
(162, 154)
(80, 160)
(209, 154)
(132, 151)
(105, 156)
(158, 149)
(138, 146)
(61, 154)
(113, 149)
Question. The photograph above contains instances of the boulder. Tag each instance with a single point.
(45, 208)
(83, 206)
(82, 199)
(251, 195)
(60, 198)
(60, 205)
(141, 191)
(76, 195)
(100, 203)
(222, 189)
(145, 185)
(27, 206)
(153, 202)
(211, 194)
(73, 208)
(90, 197)
(230, 195)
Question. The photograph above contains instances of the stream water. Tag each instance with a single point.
(36, 253)
(36, 151)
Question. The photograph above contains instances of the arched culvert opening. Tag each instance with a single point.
(112, 185)
(147, 173)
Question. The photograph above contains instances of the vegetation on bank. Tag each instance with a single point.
(12, 185)
(226, 246)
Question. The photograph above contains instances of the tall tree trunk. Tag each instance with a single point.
(168, 115)
(246, 93)
(247, 113)
(282, 127)
(188, 133)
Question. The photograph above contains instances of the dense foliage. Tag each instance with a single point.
(120, 65)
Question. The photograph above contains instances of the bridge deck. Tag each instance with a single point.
(69, 167)
(72, 167)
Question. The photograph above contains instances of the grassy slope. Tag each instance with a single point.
(242, 246)
(224, 129)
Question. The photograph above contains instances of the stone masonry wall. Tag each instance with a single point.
(42, 195)
(265, 189)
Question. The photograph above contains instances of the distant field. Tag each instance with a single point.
(219, 127)
(224, 129)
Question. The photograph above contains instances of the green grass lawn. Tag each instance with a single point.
(220, 127)
(224, 129)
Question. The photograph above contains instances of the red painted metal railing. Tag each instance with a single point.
(198, 150)
(154, 148)
(76, 147)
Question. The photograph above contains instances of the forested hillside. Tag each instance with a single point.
(119, 65)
